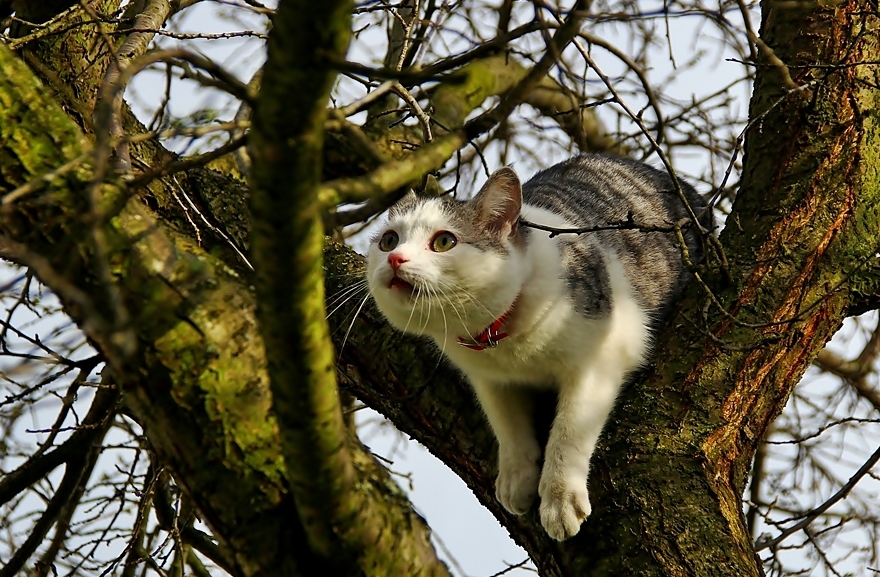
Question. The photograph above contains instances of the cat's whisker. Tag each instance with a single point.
(458, 292)
(412, 310)
(443, 313)
(463, 313)
(461, 291)
(347, 287)
(454, 309)
(353, 319)
(464, 292)
(426, 316)
(347, 294)
(344, 294)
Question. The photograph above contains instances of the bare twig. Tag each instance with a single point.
(815, 513)
(34, 469)
(76, 474)
(628, 224)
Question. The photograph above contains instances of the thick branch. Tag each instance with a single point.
(345, 524)
(668, 480)
(286, 239)
(197, 383)
(480, 79)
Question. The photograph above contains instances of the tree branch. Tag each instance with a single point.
(344, 523)
(815, 513)
(76, 475)
(92, 427)
(394, 175)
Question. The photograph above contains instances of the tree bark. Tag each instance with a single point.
(197, 383)
(801, 254)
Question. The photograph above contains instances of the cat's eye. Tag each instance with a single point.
(388, 241)
(443, 241)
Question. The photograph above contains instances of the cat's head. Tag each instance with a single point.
(442, 267)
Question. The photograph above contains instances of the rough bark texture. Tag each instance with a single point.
(197, 383)
(801, 246)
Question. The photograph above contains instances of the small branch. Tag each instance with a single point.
(497, 44)
(643, 78)
(192, 206)
(855, 372)
(198, 540)
(755, 488)
(62, 527)
(567, 32)
(187, 163)
(45, 271)
(628, 224)
(195, 35)
(405, 15)
(55, 25)
(114, 85)
(243, 114)
(368, 98)
(747, 23)
(417, 111)
(38, 184)
(139, 531)
(96, 420)
(67, 404)
(195, 564)
(815, 513)
(654, 144)
(755, 40)
(392, 176)
(510, 568)
(76, 475)
(435, 71)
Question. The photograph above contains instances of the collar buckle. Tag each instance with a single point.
(489, 338)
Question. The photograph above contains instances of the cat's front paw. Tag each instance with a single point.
(564, 505)
(517, 483)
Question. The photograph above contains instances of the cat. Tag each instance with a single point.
(514, 307)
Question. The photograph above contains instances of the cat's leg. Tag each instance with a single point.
(509, 410)
(583, 407)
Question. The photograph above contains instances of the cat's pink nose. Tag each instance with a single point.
(395, 259)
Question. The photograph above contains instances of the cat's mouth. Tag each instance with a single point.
(398, 283)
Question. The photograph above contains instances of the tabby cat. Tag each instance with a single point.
(515, 307)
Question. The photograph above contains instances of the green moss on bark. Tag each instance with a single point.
(197, 382)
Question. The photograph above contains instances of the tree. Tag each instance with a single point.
(225, 379)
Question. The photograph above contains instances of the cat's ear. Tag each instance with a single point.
(499, 202)
(409, 200)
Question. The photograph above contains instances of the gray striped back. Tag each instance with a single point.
(595, 190)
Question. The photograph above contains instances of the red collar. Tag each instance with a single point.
(489, 337)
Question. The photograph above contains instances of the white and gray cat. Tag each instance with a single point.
(514, 308)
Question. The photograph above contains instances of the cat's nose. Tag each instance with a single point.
(395, 259)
